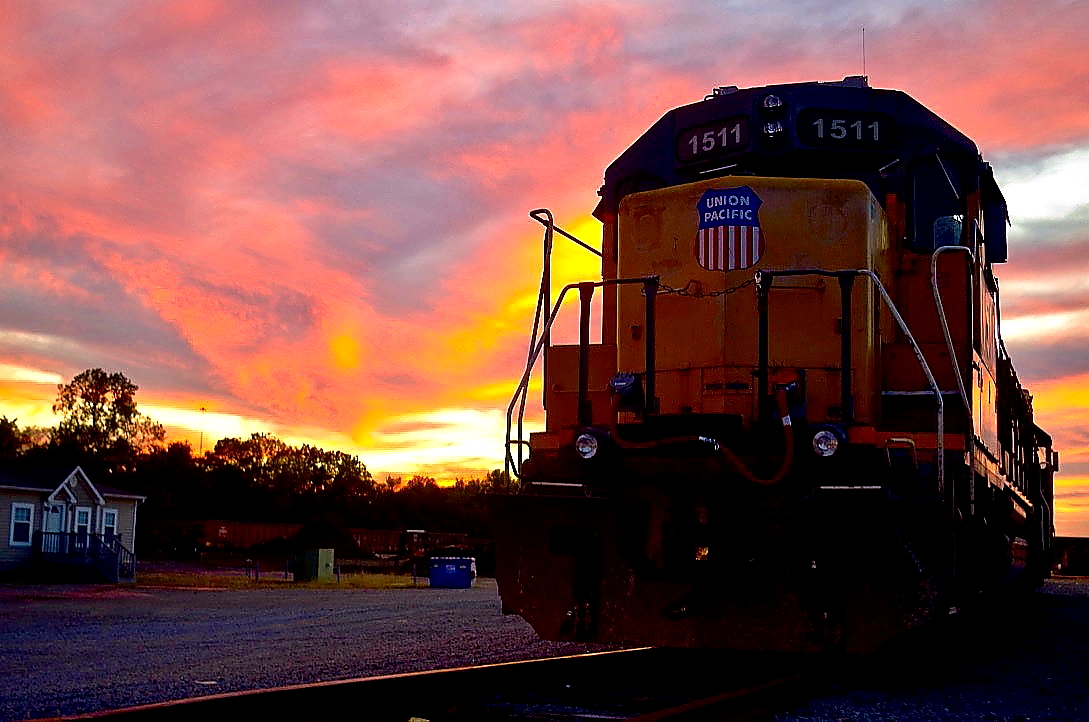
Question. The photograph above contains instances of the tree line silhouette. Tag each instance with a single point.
(257, 479)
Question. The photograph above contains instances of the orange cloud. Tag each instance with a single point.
(346, 351)
(1072, 505)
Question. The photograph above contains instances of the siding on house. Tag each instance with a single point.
(126, 519)
(14, 557)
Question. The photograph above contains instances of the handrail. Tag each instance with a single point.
(544, 300)
(770, 274)
(926, 370)
(523, 385)
(70, 542)
(945, 324)
(969, 444)
(550, 224)
(126, 562)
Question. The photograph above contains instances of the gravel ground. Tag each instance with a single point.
(72, 649)
(1022, 661)
(68, 650)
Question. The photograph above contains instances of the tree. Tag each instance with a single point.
(99, 415)
(294, 482)
(499, 482)
(10, 439)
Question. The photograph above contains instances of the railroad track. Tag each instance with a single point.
(643, 685)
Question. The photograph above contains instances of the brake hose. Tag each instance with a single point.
(731, 457)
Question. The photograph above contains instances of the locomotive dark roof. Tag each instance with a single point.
(787, 130)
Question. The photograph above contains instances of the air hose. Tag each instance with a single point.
(731, 457)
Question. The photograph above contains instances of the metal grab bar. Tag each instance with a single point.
(945, 324)
(550, 224)
(764, 280)
(544, 298)
(926, 370)
(648, 282)
(969, 443)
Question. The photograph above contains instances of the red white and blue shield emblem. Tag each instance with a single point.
(729, 236)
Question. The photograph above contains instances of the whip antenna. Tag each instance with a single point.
(863, 50)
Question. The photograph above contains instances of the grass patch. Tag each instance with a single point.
(272, 580)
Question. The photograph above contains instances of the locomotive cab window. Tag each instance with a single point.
(938, 205)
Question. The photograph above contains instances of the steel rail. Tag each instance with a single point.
(756, 702)
(645, 684)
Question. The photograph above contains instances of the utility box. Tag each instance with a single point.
(314, 564)
(452, 572)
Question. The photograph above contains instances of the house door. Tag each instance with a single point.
(109, 526)
(53, 525)
(83, 526)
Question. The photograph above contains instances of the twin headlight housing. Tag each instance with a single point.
(773, 107)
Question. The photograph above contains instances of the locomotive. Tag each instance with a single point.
(799, 429)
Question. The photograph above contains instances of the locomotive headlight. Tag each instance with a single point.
(773, 129)
(827, 440)
(772, 102)
(825, 443)
(586, 446)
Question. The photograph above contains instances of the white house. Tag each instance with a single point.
(62, 526)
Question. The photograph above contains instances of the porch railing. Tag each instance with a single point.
(105, 552)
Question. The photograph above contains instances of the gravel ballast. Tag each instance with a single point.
(1021, 660)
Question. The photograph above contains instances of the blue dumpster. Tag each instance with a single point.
(452, 572)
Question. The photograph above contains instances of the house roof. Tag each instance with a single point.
(52, 481)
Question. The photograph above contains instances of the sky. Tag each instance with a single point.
(310, 218)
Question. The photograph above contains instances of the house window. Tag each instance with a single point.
(109, 524)
(22, 519)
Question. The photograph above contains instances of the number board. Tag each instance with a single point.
(714, 140)
(844, 129)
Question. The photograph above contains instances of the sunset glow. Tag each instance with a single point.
(311, 219)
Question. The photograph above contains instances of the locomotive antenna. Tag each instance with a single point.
(863, 50)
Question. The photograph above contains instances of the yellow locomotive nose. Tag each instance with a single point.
(707, 344)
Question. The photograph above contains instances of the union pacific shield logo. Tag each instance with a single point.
(729, 236)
